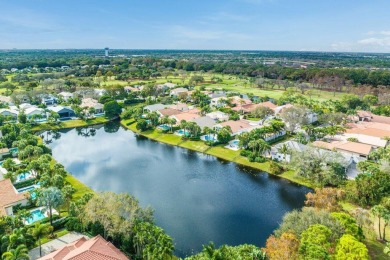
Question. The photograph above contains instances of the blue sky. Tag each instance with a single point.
(303, 25)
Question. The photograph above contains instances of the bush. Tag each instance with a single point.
(275, 168)
(74, 224)
(260, 159)
(60, 224)
(246, 153)
(23, 184)
(251, 158)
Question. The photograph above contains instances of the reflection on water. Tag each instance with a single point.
(197, 198)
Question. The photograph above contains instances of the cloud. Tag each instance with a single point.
(373, 41)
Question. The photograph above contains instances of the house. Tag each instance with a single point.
(180, 106)
(48, 100)
(217, 94)
(6, 100)
(248, 108)
(218, 116)
(278, 110)
(88, 103)
(204, 121)
(238, 101)
(177, 91)
(237, 127)
(4, 152)
(65, 95)
(64, 112)
(184, 116)
(154, 107)
(9, 112)
(34, 111)
(10, 197)
(168, 112)
(218, 102)
(96, 248)
(291, 146)
(352, 148)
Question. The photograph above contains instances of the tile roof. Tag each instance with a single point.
(169, 112)
(354, 147)
(237, 126)
(9, 195)
(185, 116)
(96, 248)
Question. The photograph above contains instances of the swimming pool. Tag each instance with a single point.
(14, 150)
(24, 176)
(210, 138)
(31, 190)
(164, 127)
(236, 142)
(36, 215)
(182, 132)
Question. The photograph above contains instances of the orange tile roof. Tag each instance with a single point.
(169, 111)
(353, 147)
(380, 119)
(236, 125)
(250, 107)
(185, 116)
(96, 248)
(9, 195)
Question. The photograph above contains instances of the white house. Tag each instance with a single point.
(88, 103)
(48, 100)
(65, 95)
(177, 91)
(6, 100)
(9, 112)
(154, 107)
(34, 111)
(218, 102)
(219, 116)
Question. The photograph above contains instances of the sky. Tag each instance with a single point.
(296, 25)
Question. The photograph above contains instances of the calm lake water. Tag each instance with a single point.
(197, 198)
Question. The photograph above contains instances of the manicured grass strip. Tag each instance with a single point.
(222, 152)
(80, 187)
(58, 233)
(198, 146)
(170, 139)
(70, 124)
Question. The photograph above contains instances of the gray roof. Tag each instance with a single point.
(155, 107)
(58, 109)
(205, 121)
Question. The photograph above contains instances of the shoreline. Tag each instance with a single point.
(218, 151)
(70, 124)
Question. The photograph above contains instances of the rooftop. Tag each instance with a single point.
(9, 195)
(96, 248)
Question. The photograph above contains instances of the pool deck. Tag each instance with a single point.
(55, 244)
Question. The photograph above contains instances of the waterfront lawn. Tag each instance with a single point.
(80, 187)
(170, 139)
(198, 146)
(223, 153)
(70, 124)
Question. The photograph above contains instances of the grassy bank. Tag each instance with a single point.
(70, 124)
(218, 151)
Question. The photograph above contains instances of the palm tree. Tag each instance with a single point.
(20, 253)
(40, 230)
(50, 198)
(171, 122)
(244, 140)
(377, 211)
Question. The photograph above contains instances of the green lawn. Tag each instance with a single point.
(80, 187)
(198, 146)
(70, 124)
(224, 153)
(170, 139)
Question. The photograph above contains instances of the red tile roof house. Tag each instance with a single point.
(251, 107)
(10, 197)
(96, 248)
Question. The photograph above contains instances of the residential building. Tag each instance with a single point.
(35, 112)
(10, 197)
(65, 95)
(205, 121)
(218, 102)
(177, 91)
(64, 112)
(9, 112)
(352, 148)
(218, 116)
(88, 103)
(168, 112)
(185, 116)
(6, 100)
(96, 248)
(237, 127)
(154, 107)
(48, 100)
(180, 106)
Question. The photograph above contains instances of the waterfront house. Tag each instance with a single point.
(64, 112)
(237, 127)
(87, 103)
(10, 197)
(204, 121)
(34, 111)
(9, 112)
(353, 148)
(168, 112)
(48, 100)
(185, 116)
(96, 248)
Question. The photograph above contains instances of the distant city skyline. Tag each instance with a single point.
(284, 25)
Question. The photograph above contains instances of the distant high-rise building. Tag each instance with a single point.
(106, 51)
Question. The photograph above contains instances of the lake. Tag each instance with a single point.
(197, 198)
